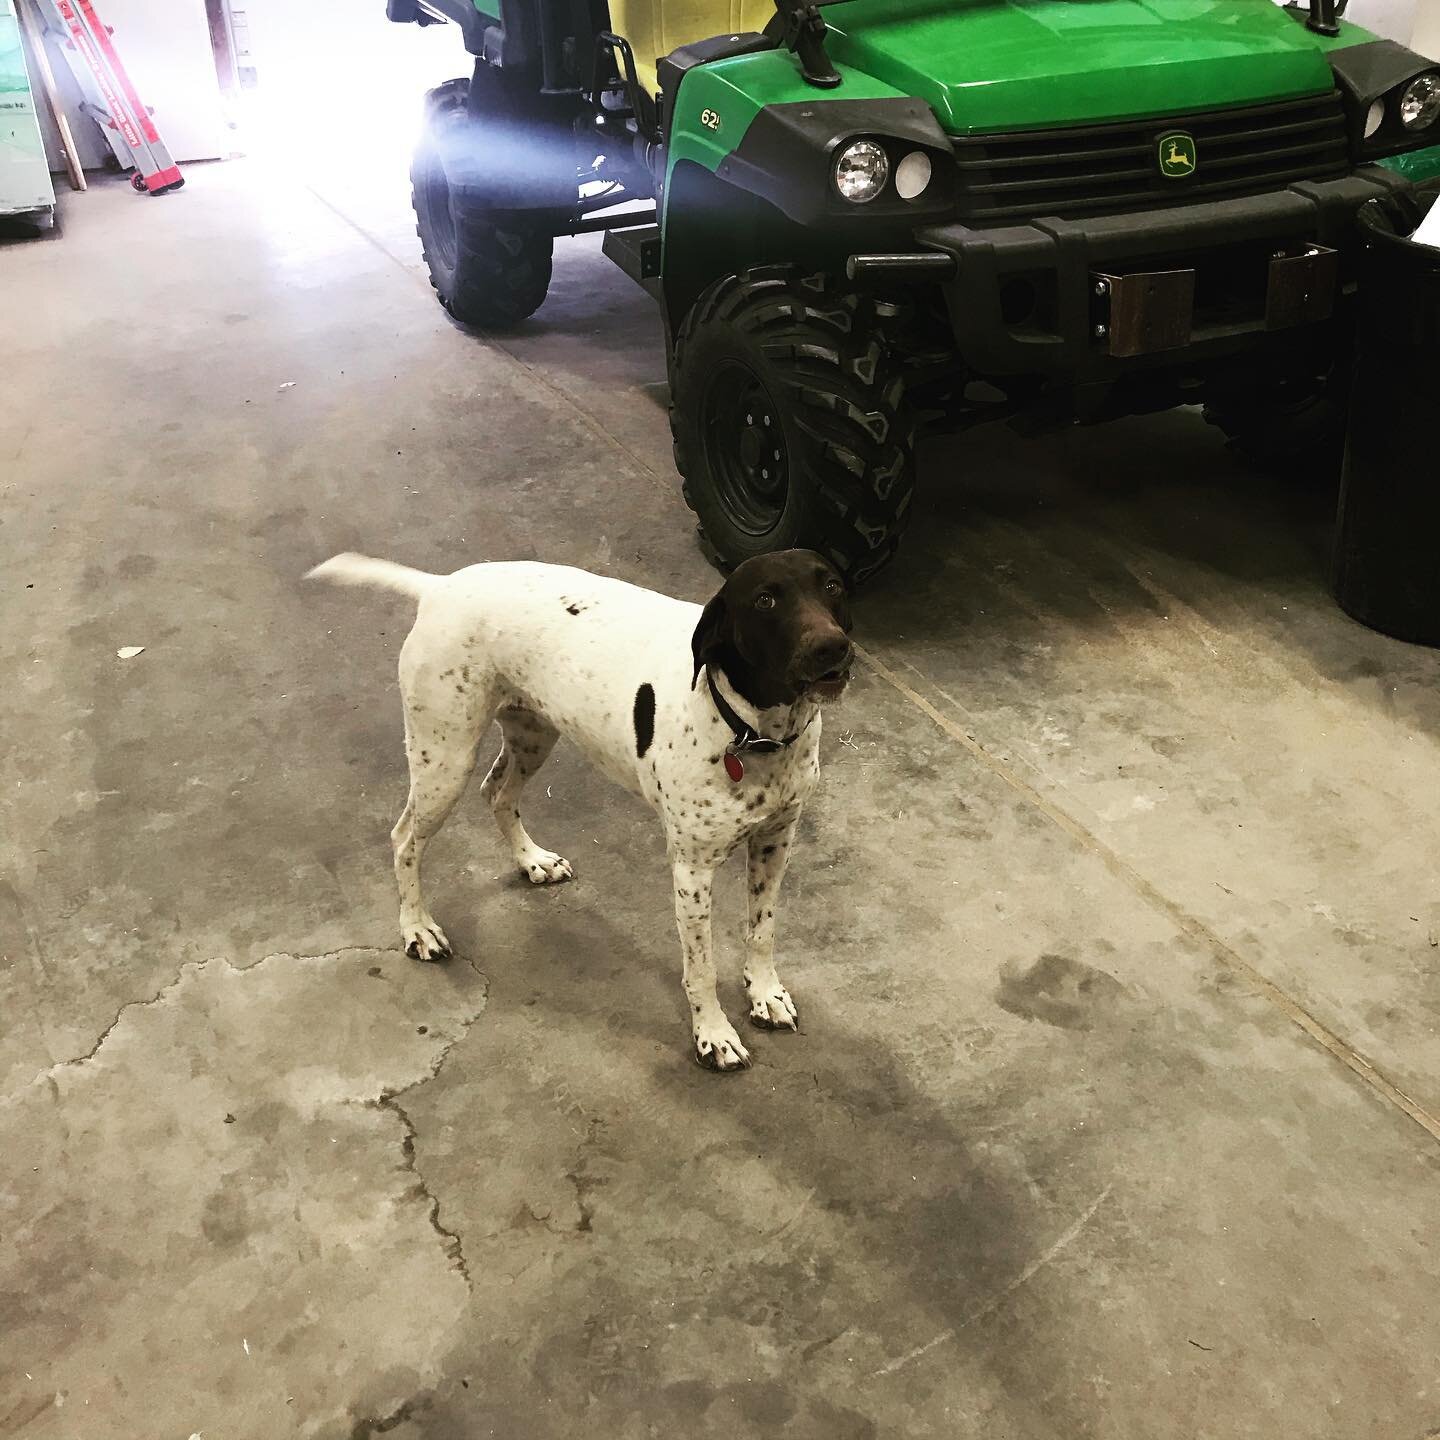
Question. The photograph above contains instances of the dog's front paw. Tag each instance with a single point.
(718, 1047)
(424, 940)
(544, 867)
(771, 1007)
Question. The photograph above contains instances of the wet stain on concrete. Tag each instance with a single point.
(1058, 991)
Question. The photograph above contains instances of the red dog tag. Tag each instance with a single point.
(733, 768)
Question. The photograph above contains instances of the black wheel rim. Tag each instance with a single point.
(745, 449)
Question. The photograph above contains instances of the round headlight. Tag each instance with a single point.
(1420, 102)
(861, 171)
(1374, 119)
(912, 175)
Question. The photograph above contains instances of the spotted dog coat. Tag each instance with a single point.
(545, 651)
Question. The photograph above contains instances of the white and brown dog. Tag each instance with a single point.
(548, 651)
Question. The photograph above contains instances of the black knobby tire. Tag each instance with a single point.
(488, 269)
(840, 435)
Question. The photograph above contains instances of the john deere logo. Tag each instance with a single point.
(1177, 155)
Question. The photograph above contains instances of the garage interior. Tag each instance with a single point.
(1114, 923)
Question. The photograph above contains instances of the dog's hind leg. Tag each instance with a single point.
(526, 741)
(443, 725)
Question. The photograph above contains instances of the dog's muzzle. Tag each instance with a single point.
(829, 670)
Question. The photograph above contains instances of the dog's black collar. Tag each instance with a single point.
(746, 736)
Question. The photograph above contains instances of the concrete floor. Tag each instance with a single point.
(1114, 929)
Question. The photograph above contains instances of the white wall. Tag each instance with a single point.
(342, 78)
(1392, 19)
(1427, 30)
(165, 45)
(1411, 22)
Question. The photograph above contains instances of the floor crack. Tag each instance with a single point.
(450, 1239)
(197, 965)
(390, 1100)
(334, 954)
(49, 1072)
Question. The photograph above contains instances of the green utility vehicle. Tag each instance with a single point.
(887, 213)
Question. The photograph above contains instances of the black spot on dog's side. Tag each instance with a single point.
(644, 719)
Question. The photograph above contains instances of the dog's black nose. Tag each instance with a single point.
(830, 653)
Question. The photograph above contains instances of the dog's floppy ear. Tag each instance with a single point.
(712, 634)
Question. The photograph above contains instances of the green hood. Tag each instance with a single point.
(990, 65)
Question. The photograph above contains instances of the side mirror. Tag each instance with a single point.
(804, 34)
(1325, 16)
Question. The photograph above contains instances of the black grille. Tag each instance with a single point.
(1099, 169)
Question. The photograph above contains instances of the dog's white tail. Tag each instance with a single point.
(352, 569)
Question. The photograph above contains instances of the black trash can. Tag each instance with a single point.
(1387, 543)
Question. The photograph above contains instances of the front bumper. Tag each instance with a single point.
(1023, 297)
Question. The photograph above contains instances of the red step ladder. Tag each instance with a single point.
(110, 95)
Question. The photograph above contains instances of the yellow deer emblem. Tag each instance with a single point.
(1177, 155)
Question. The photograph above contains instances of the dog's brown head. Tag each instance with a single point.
(778, 629)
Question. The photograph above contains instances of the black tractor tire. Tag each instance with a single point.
(774, 366)
(1293, 433)
(489, 268)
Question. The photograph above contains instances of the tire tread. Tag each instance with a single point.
(502, 270)
(823, 349)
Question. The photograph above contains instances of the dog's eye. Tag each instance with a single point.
(764, 602)
(833, 587)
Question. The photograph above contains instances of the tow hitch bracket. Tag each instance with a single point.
(1145, 312)
(1302, 286)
